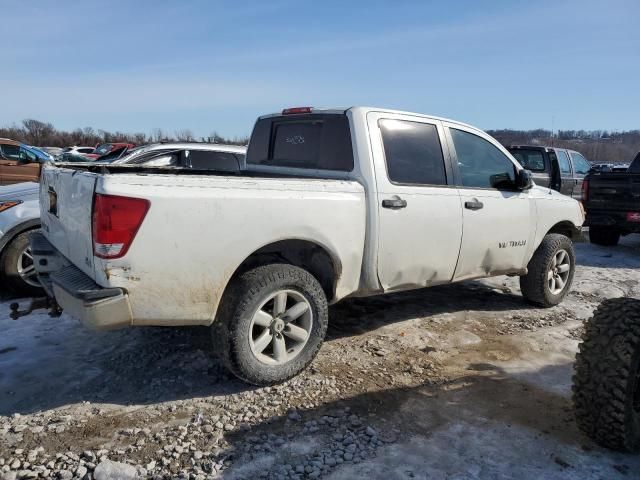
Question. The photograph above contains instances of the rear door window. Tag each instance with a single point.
(530, 159)
(209, 160)
(310, 141)
(563, 162)
(412, 152)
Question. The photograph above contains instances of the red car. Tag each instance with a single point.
(106, 148)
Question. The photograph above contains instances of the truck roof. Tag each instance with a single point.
(364, 110)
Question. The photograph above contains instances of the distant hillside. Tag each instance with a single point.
(43, 134)
(596, 145)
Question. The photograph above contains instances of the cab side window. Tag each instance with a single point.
(580, 164)
(481, 164)
(413, 152)
(563, 161)
(11, 152)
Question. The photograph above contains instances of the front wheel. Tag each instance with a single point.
(271, 323)
(550, 271)
(606, 380)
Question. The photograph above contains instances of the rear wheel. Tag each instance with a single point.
(18, 271)
(605, 236)
(606, 381)
(550, 271)
(271, 323)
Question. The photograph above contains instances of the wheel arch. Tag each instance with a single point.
(566, 228)
(16, 230)
(307, 254)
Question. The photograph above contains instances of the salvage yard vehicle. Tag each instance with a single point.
(606, 381)
(19, 162)
(612, 202)
(557, 168)
(329, 204)
(19, 216)
(194, 155)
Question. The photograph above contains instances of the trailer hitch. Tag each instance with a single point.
(36, 304)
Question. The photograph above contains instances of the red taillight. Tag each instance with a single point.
(296, 110)
(633, 216)
(585, 190)
(116, 221)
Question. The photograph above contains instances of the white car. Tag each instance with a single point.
(78, 150)
(192, 155)
(330, 204)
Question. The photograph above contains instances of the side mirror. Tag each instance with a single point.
(524, 180)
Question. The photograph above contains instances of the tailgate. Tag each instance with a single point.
(66, 199)
(614, 191)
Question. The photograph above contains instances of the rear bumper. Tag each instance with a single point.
(76, 293)
(612, 219)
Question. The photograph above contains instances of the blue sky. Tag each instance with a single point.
(217, 65)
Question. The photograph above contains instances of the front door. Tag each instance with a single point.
(14, 169)
(419, 212)
(498, 220)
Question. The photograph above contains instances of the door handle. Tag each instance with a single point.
(473, 205)
(394, 203)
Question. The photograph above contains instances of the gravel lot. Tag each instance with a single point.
(463, 381)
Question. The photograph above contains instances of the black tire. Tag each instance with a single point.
(605, 236)
(606, 387)
(9, 275)
(534, 285)
(241, 300)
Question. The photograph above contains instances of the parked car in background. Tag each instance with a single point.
(19, 215)
(198, 156)
(331, 204)
(557, 168)
(53, 151)
(105, 149)
(20, 163)
(612, 202)
(79, 150)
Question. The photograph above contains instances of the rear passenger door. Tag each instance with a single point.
(580, 169)
(566, 174)
(419, 212)
(498, 219)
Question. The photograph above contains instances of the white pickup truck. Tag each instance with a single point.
(330, 204)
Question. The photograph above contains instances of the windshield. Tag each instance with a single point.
(103, 149)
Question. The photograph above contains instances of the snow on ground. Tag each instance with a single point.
(462, 381)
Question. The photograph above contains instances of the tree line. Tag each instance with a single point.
(44, 134)
(596, 145)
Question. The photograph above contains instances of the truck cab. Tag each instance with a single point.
(560, 169)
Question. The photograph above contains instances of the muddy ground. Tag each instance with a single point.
(462, 381)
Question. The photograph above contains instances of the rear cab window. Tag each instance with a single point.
(531, 159)
(314, 141)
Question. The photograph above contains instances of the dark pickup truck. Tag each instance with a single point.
(612, 203)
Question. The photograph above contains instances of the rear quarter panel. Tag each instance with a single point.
(200, 229)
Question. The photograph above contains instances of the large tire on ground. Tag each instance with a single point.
(17, 271)
(271, 323)
(605, 236)
(550, 271)
(606, 386)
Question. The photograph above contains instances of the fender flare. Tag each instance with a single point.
(13, 232)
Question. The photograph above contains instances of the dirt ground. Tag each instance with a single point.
(462, 381)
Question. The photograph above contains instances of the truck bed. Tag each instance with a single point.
(198, 229)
